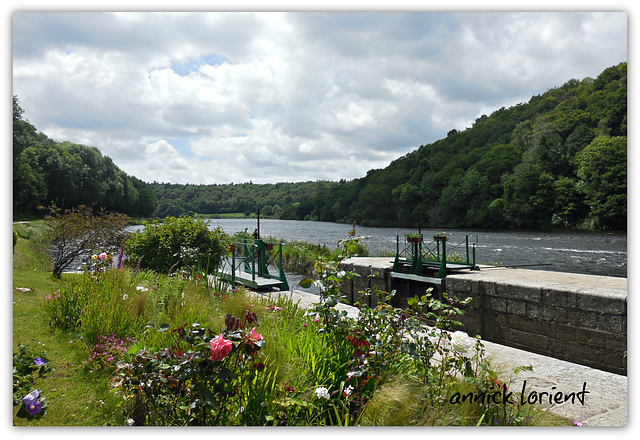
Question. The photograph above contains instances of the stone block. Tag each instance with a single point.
(606, 304)
(611, 323)
(515, 307)
(560, 298)
(581, 318)
(554, 314)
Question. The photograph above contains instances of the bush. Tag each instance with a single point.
(78, 232)
(179, 243)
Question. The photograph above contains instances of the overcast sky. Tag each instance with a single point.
(269, 97)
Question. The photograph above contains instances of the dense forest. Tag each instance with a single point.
(557, 161)
(47, 172)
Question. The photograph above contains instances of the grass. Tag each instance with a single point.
(78, 394)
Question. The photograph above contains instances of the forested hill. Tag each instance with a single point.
(558, 161)
(47, 172)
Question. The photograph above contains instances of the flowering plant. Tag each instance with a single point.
(205, 378)
(25, 365)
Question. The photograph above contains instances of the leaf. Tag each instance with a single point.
(306, 283)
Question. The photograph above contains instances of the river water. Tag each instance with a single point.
(595, 253)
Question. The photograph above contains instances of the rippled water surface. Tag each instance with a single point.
(596, 253)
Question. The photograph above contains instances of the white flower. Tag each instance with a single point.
(142, 288)
(125, 297)
(322, 392)
(460, 341)
(348, 390)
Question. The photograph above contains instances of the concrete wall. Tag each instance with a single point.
(577, 318)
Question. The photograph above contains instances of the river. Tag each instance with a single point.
(595, 253)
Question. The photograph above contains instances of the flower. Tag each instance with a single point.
(322, 392)
(103, 256)
(33, 406)
(576, 423)
(39, 362)
(348, 390)
(304, 325)
(460, 342)
(254, 336)
(220, 348)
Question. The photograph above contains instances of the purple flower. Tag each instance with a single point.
(576, 423)
(39, 362)
(33, 406)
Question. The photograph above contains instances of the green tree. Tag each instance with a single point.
(78, 232)
(602, 169)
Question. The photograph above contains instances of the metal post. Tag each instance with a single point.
(467, 241)
(443, 263)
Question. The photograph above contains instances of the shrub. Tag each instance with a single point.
(78, 232)
(179, 243)
(203, 379)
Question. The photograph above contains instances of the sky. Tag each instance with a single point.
(220, 97)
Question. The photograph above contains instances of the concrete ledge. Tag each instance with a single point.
(605, 402)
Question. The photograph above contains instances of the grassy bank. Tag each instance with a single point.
(274, 377)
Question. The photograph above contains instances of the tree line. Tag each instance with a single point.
(64, 174)
(557, 161)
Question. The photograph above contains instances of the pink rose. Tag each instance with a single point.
(254, 336)
(220, 348)
(103, 256)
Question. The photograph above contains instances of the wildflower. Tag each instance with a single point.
(103, 256)
(290, 389)
(576, 423)
(254, 336)
(220, 348)
(48, 298)
(39, 362)
(322, 392)
(142, 289)
(125, 297)
(348, 390)
(304, 325)
(33, 406)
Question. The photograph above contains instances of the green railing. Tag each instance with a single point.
(253, 258)
(442, 254)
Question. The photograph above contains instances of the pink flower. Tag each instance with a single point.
(220, 348)
(304, 325)
(103, 256)
(254, 336)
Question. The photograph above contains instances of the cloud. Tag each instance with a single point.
(267, 97)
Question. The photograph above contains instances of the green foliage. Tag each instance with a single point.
(78, 232)
(178, 243)
(602, 169)
(68, 175)
(509, 170)
(26, 364)
(203, 379)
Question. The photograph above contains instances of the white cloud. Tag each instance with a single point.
(220, 97)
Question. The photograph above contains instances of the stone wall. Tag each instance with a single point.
(577, 318)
